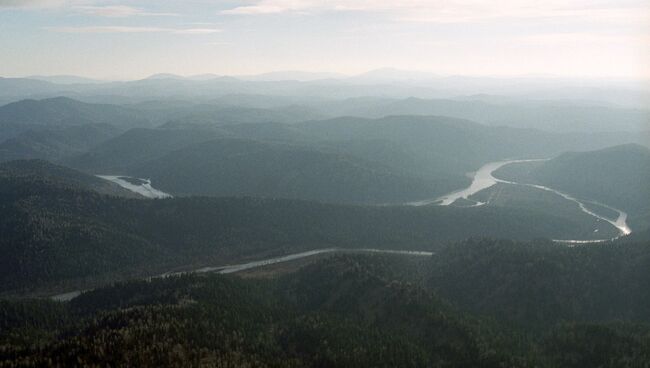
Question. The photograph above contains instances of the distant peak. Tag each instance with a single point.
(164, 76)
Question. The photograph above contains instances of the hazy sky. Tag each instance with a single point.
(135, 38)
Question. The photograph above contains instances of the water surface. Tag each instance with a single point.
(484, 178)
(136, 185)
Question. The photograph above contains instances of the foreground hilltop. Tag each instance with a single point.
(367, 311)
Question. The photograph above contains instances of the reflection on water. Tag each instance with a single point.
(265, 262)
(484, 179)
(136, 185)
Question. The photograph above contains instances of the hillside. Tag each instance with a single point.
(55, 144)
(251, 168)
(357, 318)
(617, 176)
(28, 173)
(58, 112)
(538, 283)
(135, 147)
(56, 232)
(444, 146)
(342, 311)
(215, 115)
(399, 158)
(552, 116)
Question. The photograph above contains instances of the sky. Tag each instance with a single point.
(128, 39)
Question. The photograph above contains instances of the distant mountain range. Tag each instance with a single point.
(350, 170)
(63, 112)
(56, 143)
(378, 83)
(398, 154)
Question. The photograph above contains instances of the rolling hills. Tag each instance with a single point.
(262, 167)
(63, 232)
(552, 116)
(418, 152)
(59, 112)
(56, 143)
(249, 168)
(361, 310)
(616, 176)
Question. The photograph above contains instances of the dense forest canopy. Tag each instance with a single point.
(370, 310)
(58, 228)
(123, 204)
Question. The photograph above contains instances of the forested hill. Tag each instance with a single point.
(541, 282)
(347, 310)
(618, 176)
(26, 176)
(55, 233)
(235, 167)
(60, 112)
(55, 143)
(339, 313)
(450, 144)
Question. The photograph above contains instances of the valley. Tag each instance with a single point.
(249, 223)
(227, 269)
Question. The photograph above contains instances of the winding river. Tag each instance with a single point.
(484, 178)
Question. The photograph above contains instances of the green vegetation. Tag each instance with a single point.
(55, 144)
(135, 147)
(276, 182)
(616, 176)
(342, 311)
(521, 196)
(244, 167)
(396, 158)
(59, 231)
(42, 173)
(61, 112)
(542, 282)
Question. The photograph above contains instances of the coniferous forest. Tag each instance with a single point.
(325, 183)
(356, 310)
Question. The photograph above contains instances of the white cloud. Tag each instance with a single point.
(197, 31)
(278, 6)
(127, 29)
(117, 11)
(458, 11)
(32, 3)
(108, 29)
(580, 39)
(81, 6)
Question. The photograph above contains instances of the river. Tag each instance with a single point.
(484, 179)
(144, 188)
(226, 269)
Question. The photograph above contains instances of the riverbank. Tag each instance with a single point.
(234, 268)
(484, 179)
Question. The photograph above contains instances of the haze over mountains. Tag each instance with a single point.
(301, 85)
(284, 135)
(325, 184)
(260, 167)
(278, 138)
